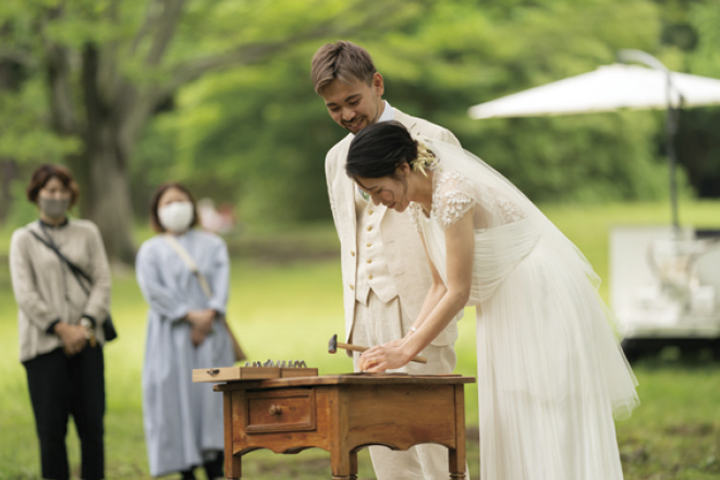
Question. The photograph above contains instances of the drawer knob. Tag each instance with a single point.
(212, 372)
(275, 409)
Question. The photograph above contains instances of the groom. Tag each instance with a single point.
(385, 270)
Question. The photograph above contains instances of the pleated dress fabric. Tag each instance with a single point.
(183, 420)
(551, 374)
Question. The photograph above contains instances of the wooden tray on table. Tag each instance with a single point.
(235, 374)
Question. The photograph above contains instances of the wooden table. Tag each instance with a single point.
(342, 414)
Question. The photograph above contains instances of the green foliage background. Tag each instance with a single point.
(265, 132)
(256, 135)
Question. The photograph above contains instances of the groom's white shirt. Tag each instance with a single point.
(403, 251)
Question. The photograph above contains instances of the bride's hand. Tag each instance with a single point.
(383, 357)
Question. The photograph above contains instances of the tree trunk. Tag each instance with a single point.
(11, 76)
(8, 169)
(108, 195)
(107, 191)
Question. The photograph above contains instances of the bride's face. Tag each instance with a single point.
(389, 191)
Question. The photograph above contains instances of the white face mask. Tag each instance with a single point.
(176, 217)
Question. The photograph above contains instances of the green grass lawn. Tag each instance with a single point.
(285, 304)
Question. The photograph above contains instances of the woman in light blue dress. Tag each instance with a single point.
(186, 330)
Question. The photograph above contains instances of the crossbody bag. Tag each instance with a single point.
(108, 327)
(190, 263)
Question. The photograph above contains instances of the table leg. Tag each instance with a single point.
(233, 463)
(457, 464)
(234, 472)
(347, 468)
(457, 454)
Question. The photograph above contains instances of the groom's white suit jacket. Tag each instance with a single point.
(405, 256)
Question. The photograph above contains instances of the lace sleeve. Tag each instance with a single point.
(505, 210)
(452, 199)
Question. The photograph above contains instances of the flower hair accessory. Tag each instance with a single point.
(425, 158)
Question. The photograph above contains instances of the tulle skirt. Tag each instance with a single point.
(550, 376)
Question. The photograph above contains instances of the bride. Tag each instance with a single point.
(551, 374)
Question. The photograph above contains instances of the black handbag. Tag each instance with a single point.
(108, 327)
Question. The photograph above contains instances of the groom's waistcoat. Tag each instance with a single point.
(372, 267)
(402, 250)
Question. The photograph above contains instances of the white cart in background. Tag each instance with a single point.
(665, 289)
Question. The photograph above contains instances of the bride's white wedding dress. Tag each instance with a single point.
(551, 374)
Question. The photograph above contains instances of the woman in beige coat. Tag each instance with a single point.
(61, 281)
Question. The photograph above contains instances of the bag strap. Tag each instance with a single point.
(190, 263)
(76, 271)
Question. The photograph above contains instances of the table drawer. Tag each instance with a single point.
(280, 411)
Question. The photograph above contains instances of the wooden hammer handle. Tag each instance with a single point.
(419, 359)
(352, 348)
(357, 348)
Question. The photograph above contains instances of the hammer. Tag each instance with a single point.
(333, 345)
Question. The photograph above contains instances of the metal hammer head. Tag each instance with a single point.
(332, 344)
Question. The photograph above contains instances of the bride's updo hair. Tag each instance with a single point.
(377, 150)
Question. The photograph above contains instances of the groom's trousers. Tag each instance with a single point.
(375, 324)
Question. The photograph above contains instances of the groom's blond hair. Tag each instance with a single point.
(341, 60)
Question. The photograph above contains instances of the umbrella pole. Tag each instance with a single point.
(671, 123)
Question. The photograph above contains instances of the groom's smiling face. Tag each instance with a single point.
(354, 105)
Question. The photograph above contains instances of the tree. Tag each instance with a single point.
(109, 66)
(268, 133)
(10, 79)
(698, 142)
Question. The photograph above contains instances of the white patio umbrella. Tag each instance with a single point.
(610, 88)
